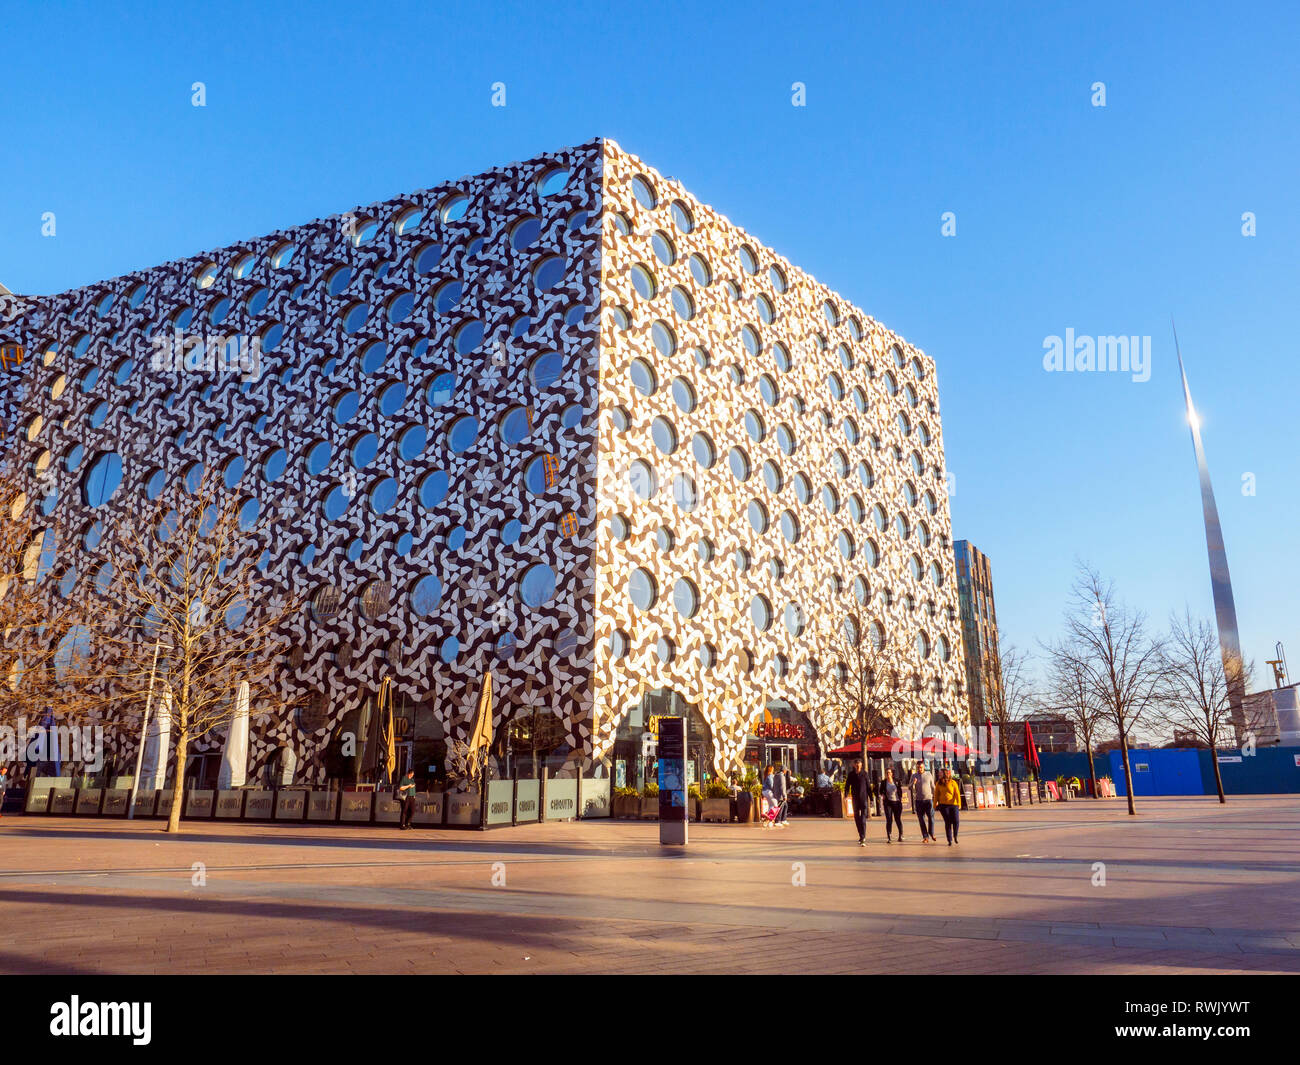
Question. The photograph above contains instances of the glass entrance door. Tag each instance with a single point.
(782, 755)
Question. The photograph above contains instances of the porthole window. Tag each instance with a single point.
(945, 650)
(102, 478)
(453, 207)
(537, 586)
(426, 593)
(686, 598)
(861, 590)
(749, 337)
(850, 427)
(703, 450)
(760, 612)
(643, 480)
(768, 390)
(540, 473)
(684, 394)
(642, 589)
(345, 406)
(741, 560)
(664, 248)
(515, 425)
(748, 262)
(831, 314)
(683, 305)
(704, 549)
(830, 499)
(772, 476)
(936, 574)
(427, 259)
(619, 527)
(785, 439)
(872, 553)
(355, 317)
(739, 462)
(644, 192)
(621, 418)
(411, 444)
(664, 434)
(433, 488)
(845, 543)
(685, 494)
(643, 281)
(865, 475)
(914, 564)
(447, 296)
(700, 270)
(758, 517)
(790, 526)
(777, 276)
(781, 354)
(336, 502)
(903, 528)
(682, 217)
(665, 340)
(755, 426)
(794, 619)
(204, 277)
(802, 489)
(643, 377)
(549, 272)
(546, 369)
(400, 307)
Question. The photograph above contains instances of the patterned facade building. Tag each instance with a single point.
(979, 628)
(559, 421)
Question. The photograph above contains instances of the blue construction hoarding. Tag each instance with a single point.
(1188, 771)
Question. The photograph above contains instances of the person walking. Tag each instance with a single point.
(855, 787)
(4, 783)
(947, 796)
(893, 798)
(781, 792)
(923, 800)
(405, 794)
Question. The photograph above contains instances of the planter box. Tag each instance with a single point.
(355, 806)
(290, 805)
(63, 800)
(650, 808)
(627, 807)
(388, 810)
(145, 801)
(115, 800)
(462, 808)
(429, 808)
(715, 810)
(198, 804)
(259, 805)
(163, 807)
(88, 800)
(322, 805)
(230, 804)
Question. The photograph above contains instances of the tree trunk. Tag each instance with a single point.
(178, 785)
(1128, 772)
(1218, 777)
(1092, 768)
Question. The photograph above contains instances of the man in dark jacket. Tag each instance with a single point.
(855, 787)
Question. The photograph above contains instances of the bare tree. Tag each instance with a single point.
(187, 609)
(1197, 685)
(869, 684)
(1069, 692)
(1007, 701)
(1121, 664)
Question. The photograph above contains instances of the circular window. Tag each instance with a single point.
(760, 612)
(686, 598)
(665, 340)
(643, 280)
(772, 476)
(355, 317)
(682, 217)
(739, 462)
(549, 272)
(683, 304)
(703, 450)
(102, 478)
(685, 494)
(325, 602)
(400, 307)
(643, 377)
(642, 479)
(794, 619)
(684, 394)
(755, 426)
(845, 543)
(408, 221)
(546, 369)
(758, 517)
(664, 248)
(700, 270)
(664, 434)
(789, 526)
(553, 182)
(537, 585)
(644, 192)
(641, 589)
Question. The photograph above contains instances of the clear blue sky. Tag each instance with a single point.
(1103, 220)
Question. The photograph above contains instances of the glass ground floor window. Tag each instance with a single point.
(635, 755)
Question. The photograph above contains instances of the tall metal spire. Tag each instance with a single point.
(1225, 609)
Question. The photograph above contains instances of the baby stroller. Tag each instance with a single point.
(774, 813)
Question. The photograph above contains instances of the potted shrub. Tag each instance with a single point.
(650, 802)
(627, 803)
(716, 805)
(840, 805)
(1063, 789)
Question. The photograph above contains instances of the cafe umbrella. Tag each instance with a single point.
(385, 755)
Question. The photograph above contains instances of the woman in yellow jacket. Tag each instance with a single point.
(947, 799)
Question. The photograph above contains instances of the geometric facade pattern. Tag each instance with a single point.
(559, 421)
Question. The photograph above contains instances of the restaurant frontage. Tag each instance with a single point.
(782, 736)
(635, 761)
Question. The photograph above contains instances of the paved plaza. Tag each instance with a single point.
(1189, 886)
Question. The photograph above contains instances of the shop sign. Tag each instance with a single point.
(779, 730)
